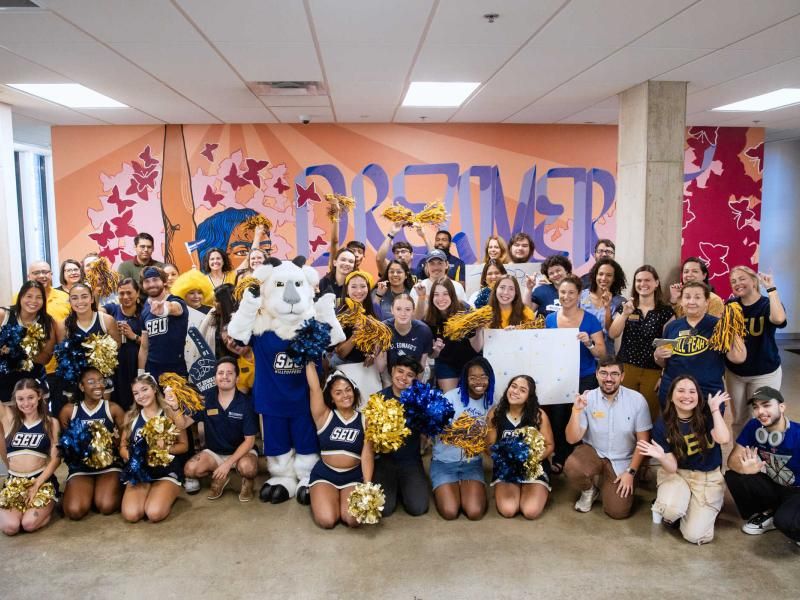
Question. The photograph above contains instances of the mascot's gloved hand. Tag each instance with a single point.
(255, 290)
(325, 312)
(240, 327)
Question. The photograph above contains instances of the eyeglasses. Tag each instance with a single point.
(72, 270)
(606, 252)
(613, 374)
(41, 272)
(478, 377)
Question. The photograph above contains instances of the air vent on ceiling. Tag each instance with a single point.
(18, 4)
(288, 88)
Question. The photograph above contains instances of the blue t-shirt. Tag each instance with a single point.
(762, 351)
(166, 336)
(692, 355)
(408, 452)
(545, 297)
(590, 325)
(783, 462)
(695, 459)
(280, 388)
(418, 341)
(226, 429)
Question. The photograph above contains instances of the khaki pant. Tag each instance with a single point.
(644, 381)
(694, 498)
(582, 468)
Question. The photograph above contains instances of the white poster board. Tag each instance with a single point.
(550, 356)
(366, 379)
(472, 277)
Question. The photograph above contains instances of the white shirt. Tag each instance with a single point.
(460, 293)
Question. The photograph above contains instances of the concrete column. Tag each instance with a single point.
(9, 230)
(652, 132)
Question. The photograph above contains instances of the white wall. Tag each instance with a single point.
(780, 223)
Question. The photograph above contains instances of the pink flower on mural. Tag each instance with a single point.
(756, 154)
(688, 215)
(743, 215)
(714, 256)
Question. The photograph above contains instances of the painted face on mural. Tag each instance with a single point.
(239, 243)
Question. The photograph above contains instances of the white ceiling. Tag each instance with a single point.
(542, 61)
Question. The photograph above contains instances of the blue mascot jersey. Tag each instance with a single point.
(280, 389)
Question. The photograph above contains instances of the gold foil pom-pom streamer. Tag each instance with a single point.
(461, 324)
(730, 324)
(252, 222)
(353, 315)
(468, 433)
(102, 445)
(160, 429)
(386, 423)
(398, 214)
(244, 283)
(365, 503)
(14, 495)
(371, 335)
(102, 353)
(32, 344)
(433, 214)
(536, 323)
(101, 277)
(188, 398)
(338, 204)
(535, 441)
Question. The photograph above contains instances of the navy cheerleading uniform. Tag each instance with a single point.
(100, 414)
(339, 437)
(31, 441)
(37, 372)
(173, 471)
(507, 429)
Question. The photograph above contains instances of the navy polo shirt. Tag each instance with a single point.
(226, 429)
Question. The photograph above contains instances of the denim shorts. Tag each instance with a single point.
(453, 472)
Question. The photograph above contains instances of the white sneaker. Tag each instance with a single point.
(759, 524)
(588, 497)
(191, 485)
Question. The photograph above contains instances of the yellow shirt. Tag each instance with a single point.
(505, 316)
(715, 307)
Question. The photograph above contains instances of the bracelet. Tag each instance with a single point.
(390, 236)
(772, 289)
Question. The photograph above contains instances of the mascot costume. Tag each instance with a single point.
(269, 317)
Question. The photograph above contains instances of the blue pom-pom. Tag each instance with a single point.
(71, 357)
(11, 339)
(311, 341)
(509, 455)
(482, 299)
(135, 470)
(427, 410)
(75, 443)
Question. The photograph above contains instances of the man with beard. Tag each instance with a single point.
(764, 468)
(166, 321)
(609, 420)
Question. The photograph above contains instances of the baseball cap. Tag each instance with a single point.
(150, 272)
(436, 254)
(766, 393)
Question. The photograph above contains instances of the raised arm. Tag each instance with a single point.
(575, 430)
(380, 257)
(319, 411)
(777, 314)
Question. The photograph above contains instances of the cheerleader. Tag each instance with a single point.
(28, 438)
(518, 408)
(153, 500)
(87, 487)
(347, 457)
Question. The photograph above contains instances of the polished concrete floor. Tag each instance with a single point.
(224, 549)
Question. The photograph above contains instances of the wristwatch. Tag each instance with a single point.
(631, 470)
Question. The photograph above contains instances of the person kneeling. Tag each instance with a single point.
(230, 425)
(346, 456)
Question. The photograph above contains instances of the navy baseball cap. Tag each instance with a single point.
(436, 254)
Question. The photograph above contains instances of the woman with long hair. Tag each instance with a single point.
(458, 481)
(356, 290)
(128, 315)
(217, 267)
(28, 448)
(29, 309)
(491, 272)
(639, 321)
(450, 355)
(214, 327)
(344, 263)
(71, 272)
(518, 408)
(496, 250)
(687, 441)
(255, 258)
(763, 315)
(604, 296)
(508, 310)
(398, 281)
(153, 500)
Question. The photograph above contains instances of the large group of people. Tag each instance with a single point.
(651, 391)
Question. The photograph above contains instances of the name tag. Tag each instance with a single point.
(599, 414)
(633, 317)
(211, 412)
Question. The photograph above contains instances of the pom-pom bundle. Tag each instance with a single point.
(135, 470)
(32, 344)
(468, 433)
(252, 222)
(730, 324)
(101, 277)
(101, 353)
(160, 429)
(433, 214)
(518, 457)
(189, 399)
(86, 444)
(338, 204)
(385, 423)
(398, 214)
(365, 503)
(369, 334)
(461, 324)
(426, 408)
(75, 354)
(311, 341)
(11, 352)
(71, 358)
(14, 495)
(536, 323)
(482, 299)
(242, 286)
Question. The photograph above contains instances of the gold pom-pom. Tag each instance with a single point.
(461, 324)
(160, 429)
(101, 277)
(535, 441)
(338, 204)
(386, 423)
(353, 314)
(371, 335)
(468, 433)
(102, 445)
(251, 223)
(244, 283)
(365, 503)
(32, 344)
(433, 214)
(730, 324)
(536, 323)
(102, 353)
(14, 495)
(398, 214)
(187, 396)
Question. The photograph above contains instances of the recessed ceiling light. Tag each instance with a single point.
(438, 93)
(770, 101)
(73, 95)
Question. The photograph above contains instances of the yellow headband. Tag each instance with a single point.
(364, 274)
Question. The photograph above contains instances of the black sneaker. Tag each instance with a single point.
(758, 524)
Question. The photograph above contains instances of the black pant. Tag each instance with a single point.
(57, 400)
(559, 415)
(758, 493)
(405, 481)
